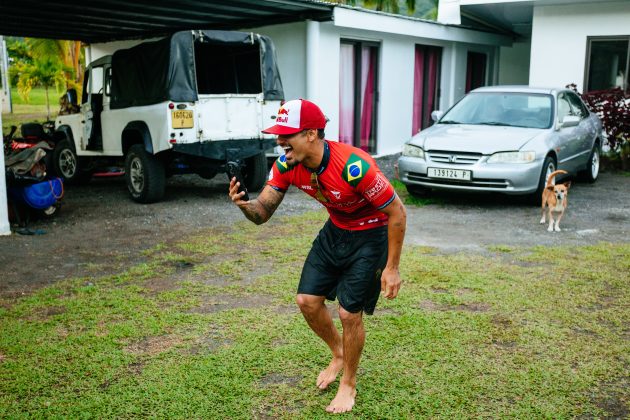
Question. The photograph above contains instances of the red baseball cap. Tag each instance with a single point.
(295, 116)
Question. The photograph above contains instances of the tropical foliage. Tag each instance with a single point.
(43, 71)
(46, 63)
(69, 52)
(425, 9)
(613, 108)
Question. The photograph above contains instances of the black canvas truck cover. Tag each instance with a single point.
(162, 70)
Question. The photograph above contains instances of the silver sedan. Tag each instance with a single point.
(504, 139)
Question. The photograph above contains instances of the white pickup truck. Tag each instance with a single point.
(187, 103)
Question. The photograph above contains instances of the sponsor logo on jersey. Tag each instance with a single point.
(376, 187)
(369, 221)
(355, 170)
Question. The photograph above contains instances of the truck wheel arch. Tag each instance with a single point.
(137, 132)
(64, 132)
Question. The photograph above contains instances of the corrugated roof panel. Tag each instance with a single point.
(107, 20)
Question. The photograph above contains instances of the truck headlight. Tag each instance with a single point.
(512, 157)
(412, 151)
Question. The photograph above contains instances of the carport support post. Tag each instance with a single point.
(5, 228)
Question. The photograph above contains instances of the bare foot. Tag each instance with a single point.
(328, 375)
(343, 401)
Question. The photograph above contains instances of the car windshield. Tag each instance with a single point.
(528, 110)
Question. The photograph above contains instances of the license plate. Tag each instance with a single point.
(458, 174)
(182, 119)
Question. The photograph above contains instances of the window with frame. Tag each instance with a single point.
(358, 94)
(426, 85)
(607, 63)
(476, 64)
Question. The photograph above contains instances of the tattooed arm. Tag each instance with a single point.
(397, 224)
(262, 208)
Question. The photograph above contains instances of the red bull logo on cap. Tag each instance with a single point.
(280, 118)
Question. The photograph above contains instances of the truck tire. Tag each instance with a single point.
(255, 172)
(67, 165)
(145, 175)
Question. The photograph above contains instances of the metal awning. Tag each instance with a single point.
(93, 21)
(106, 20)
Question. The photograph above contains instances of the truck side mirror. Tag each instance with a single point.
(71, 95)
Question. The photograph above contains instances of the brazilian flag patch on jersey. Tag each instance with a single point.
(281, 164)
(355, 170)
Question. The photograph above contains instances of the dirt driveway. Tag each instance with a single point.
(100, 226)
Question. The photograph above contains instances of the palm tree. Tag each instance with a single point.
(427, 8)
(432, 11)
(69, 52)
(43, 71)
(391, 6)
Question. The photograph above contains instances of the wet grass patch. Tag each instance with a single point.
(519, 333)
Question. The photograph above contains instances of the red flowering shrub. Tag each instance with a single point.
(613, 108)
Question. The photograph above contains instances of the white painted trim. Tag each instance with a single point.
(448, 12)
(312, 54)
(402, 25)
(5, 227)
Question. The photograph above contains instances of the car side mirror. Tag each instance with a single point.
(570, 121)
(436, 115)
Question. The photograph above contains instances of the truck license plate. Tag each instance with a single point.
(182, 119)
(458, 174)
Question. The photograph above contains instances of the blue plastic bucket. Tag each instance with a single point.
(44, 194)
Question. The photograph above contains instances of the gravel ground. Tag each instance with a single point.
(99, 225)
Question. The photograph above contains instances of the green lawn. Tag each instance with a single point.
(201, 331)
(33, 111)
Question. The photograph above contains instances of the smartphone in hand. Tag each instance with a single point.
(233, 170)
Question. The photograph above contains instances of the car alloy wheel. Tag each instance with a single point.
(136, 175)
(595, 164)
(67, 163)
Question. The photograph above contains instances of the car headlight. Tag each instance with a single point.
(412, 151)
(512, 157)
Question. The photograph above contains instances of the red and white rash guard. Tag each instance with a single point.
(353, 188)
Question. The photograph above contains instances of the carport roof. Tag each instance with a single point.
(106, 20)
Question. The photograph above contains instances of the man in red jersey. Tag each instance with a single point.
(356, 254)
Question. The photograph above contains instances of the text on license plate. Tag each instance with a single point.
(182, 119)
(450, 174)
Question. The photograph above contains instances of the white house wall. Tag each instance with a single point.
(559, 33)
(290, 42)
(397, 38)
(514, 64)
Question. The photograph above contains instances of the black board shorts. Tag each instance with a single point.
(346, 265)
